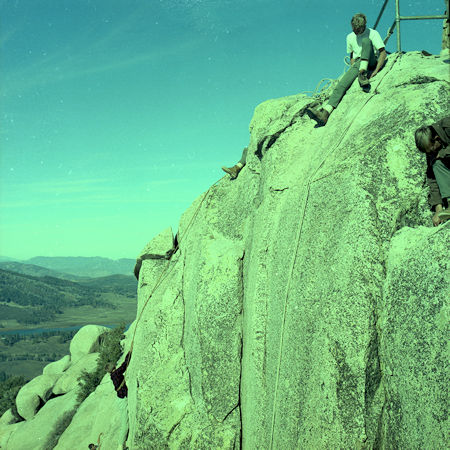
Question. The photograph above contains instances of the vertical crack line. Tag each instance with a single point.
(241, 432)
(184, 329)
(280, 351)
(239, 404)
(299, 233)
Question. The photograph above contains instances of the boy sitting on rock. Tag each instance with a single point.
(360, 44)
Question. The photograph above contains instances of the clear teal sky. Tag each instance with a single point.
(117, 114)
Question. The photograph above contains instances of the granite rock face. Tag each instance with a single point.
(303, 305)
(279, 322)
(414, 338)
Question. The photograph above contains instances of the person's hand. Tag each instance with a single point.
(436, 219)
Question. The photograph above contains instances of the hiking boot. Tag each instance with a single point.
(319, 115)
(232, 171)
(444, 214)
(362, 78)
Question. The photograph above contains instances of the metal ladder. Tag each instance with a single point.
(398, 18)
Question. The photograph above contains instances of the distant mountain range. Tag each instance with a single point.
(36, 271)
(92, 267)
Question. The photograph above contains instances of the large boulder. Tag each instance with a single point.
(414, 337)
(86, 341)
(35, 433)
(34, 394)
(97, 419)
(263, 330)
(69, 379)
(57, 367)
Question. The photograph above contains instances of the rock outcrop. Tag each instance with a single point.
(302, 305)
(296, 311)
(57, 367)
(34, 434)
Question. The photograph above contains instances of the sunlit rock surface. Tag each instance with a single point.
(69, 379)
(33, 394)
(414, 338)
(34, 433)
(42, 404)
(97, 421)
(85, 341)
(7, 418)
(265, 330)
(57, 367)
(307, 304)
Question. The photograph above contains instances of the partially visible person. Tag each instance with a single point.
(234, 171)
(433, 140)
(361, 44)
(93, 446)
(118, 379)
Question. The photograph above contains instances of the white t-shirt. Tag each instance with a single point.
(354, 42)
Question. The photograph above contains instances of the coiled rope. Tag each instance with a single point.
(321, 89)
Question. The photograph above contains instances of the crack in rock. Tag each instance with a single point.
(419, 79)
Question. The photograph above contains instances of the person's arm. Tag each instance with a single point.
(349, 48)
(381, 59)
(434, 199)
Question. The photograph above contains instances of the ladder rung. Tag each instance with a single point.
(422, 17)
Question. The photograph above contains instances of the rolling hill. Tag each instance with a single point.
(31, 300)
(81, 266)
(36, 271)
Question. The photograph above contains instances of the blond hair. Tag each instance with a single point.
(359, 21)
(423, 137)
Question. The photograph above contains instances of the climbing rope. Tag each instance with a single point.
(297, 240)
(330, 83)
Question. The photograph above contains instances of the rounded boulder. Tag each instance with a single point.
(86, 341)
(32, 394)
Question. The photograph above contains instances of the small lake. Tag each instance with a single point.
(46, 330)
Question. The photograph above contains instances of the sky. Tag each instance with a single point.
(116, 114)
